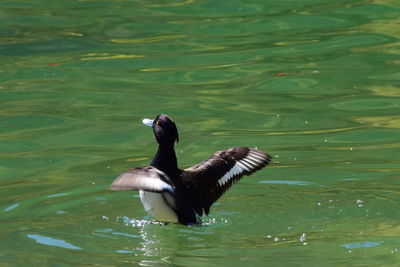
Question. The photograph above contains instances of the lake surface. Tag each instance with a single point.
(314, 83)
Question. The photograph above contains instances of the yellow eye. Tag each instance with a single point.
(156, 122)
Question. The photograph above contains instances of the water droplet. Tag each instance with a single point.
(302, 238)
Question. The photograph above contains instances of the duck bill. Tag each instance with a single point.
(148, 122)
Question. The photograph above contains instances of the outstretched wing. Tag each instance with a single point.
(147, 178)
(209, 179)
(153, 180)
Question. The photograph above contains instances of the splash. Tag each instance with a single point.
(137, 222)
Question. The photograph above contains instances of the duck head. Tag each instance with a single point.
(164, 129)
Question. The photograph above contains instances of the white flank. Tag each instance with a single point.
(155, 205)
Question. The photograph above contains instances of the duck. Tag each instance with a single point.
(173, 195)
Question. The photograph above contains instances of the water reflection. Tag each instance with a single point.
(364, 244)
(289, 182)
(49, 241)
(11, 207)
(158, 242)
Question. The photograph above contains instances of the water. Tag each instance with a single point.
(313, 83)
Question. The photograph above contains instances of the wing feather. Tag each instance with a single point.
(147, 179)
(211, 178)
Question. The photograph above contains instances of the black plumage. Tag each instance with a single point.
(174, 195)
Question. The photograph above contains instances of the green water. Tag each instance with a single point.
(314, 83)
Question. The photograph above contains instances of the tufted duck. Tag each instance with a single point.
(173, 195)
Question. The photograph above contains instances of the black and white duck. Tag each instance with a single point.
(170, 194)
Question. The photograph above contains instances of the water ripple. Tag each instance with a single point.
(364, 244)
(49, 241)
(303, 183)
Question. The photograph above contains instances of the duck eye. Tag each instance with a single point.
(156, 122)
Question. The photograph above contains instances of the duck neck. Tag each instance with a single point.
(165, 159)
